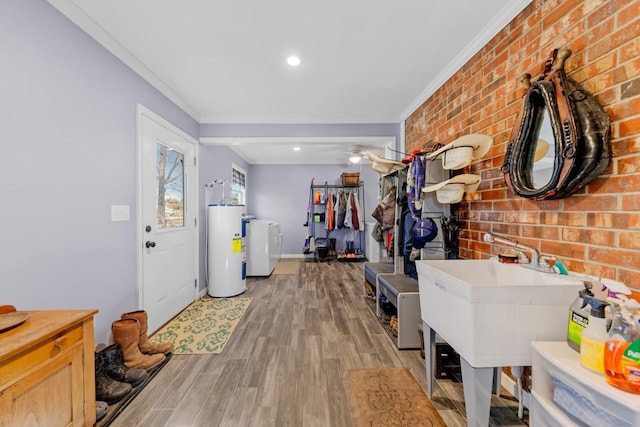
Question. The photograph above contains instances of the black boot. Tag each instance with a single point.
(107, 389)
(115, 368)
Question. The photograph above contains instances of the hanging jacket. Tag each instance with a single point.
(342, 209)
(354, 212)
(330, 213)
(360, 213)
(348, 212)
(415, 183)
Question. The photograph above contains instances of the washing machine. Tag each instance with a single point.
(264, 247)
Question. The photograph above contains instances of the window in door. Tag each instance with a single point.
(238, 186)
(170, 173)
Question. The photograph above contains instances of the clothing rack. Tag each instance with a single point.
(358, 190)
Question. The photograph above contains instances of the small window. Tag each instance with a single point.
(170, 186)
(238, 186)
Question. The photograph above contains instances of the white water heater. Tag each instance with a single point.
(226, 261)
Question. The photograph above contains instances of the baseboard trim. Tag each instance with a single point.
(291, 256)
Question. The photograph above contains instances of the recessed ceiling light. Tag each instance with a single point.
(294, 61)
(296, 148)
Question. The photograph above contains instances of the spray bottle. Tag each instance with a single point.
(622, 349)
(594, 336)
(578, 316)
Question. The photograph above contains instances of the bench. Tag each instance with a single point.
(402, 292)
(370, 271)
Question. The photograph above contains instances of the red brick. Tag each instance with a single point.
(614, 256)
(630, 202)
(590, 236)
(507, 205)
(560, 12)
(629, 277)
(541, 205)
(630, 240)
(629, 165)
(522, 217)
(619, 184)
(624, 108)
(592, 269)
(628, 14)
(563, 250)
(491, 216)
(541, 232)
(591, 203)
(614, 220)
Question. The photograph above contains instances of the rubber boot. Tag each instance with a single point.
(126, 333)
(101, 409)
(115, 368)
(107, 389)
(145, 345)
(332, 247)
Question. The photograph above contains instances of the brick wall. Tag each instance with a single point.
(597, 230)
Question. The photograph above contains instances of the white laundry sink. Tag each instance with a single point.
(490, 312)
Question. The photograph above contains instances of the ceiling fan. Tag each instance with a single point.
(359, 152)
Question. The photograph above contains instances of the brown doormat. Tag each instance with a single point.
(287, 267)
(388, 397)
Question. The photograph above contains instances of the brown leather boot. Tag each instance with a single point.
(126, 333)
(145, 345)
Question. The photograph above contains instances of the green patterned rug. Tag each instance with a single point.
(204, 327)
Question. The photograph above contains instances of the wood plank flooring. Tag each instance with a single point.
(283, 365)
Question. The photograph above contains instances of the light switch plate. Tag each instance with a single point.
(119, 212)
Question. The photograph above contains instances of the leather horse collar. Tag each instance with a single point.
(580, 127)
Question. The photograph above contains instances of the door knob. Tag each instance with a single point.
(150, 244)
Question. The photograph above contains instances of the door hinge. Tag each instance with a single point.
(195, 222)
(195, 283)
(194, 162)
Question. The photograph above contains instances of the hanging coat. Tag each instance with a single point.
(415, 183)
(355, 223)
(330, 213)
(341, 209)
(348, 212)
(360, 214)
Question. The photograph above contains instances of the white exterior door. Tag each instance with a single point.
(168, 200)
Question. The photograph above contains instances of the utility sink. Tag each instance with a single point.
(490, 312)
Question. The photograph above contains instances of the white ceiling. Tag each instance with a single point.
(363, 61)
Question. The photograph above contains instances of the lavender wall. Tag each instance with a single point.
(281, 193)
(68, 120)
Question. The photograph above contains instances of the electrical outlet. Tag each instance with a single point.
(119, 212)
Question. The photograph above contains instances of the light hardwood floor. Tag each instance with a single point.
(283, 365)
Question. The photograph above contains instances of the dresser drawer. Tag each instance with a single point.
(20, 365)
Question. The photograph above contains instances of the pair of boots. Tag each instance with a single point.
(130, 333)
(113, 379)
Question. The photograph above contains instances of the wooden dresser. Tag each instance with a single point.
(47, 372)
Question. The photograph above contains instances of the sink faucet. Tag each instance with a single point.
(536, 261)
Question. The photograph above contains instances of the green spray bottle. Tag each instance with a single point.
(579, 316)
